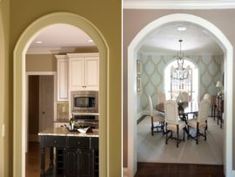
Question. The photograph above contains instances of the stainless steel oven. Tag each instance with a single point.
(84, 101)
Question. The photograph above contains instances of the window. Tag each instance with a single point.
(174, 86)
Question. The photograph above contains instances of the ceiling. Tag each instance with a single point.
(60, 37)
(165, 39)
(178, 4)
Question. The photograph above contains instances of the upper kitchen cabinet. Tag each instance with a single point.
(83, 71)
(62, 77)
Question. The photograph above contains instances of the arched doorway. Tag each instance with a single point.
(132, 92)
(19, 85)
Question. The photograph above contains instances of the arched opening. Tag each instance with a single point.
(20, 84)
(133, 48)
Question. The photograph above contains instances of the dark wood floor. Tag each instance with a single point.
(178, 170)
(144, 169)
(33, 160)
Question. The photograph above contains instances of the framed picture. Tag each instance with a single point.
(139, 85)
(139, 67)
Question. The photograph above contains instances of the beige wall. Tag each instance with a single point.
(131, 27)
(4, 88)
(24, 12)
(40, 62)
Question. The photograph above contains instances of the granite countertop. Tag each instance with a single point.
(61, 131)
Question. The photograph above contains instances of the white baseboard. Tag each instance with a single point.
(125, 172)
(33, 138)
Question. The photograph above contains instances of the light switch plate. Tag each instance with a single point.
(3, 130)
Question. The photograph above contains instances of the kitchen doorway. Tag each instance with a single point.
(20, 82)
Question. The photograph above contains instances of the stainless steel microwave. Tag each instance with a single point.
(84, 101)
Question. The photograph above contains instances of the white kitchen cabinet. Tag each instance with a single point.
(84, 71)
(62, 77)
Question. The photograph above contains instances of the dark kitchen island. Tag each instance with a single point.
(72, 154)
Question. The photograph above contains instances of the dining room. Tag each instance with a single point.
(180, 80)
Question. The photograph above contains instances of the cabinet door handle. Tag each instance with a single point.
(78, 143)
(54, 141)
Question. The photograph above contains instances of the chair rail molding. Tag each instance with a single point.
(181, 4)
(133, 48)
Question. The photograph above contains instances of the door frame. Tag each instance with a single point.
(36, 73)
(132, 91)
(19, 86)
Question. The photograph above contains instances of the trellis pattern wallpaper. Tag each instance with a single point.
(210, 69)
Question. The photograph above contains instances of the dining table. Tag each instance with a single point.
(187, 110)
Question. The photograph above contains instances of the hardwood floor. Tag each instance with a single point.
(33, 160)
(178, 170)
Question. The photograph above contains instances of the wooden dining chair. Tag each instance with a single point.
(200, 122)
(172, 122)
(157, 120)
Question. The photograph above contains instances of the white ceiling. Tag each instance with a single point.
(178, 4)
(195, 40)
(60, 36)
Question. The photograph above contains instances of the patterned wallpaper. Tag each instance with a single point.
(210, 71)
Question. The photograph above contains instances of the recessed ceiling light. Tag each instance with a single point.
(181, 28)
(38, 42)
(90, 41)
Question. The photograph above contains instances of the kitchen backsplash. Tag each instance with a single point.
(62, 110)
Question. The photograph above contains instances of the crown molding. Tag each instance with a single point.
(181, 4)
(48, 50)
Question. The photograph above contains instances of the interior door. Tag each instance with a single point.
(46, 102)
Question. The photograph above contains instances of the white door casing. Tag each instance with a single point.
(134, 46)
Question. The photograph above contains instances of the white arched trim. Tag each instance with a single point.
(132, 93)
(19, 86)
